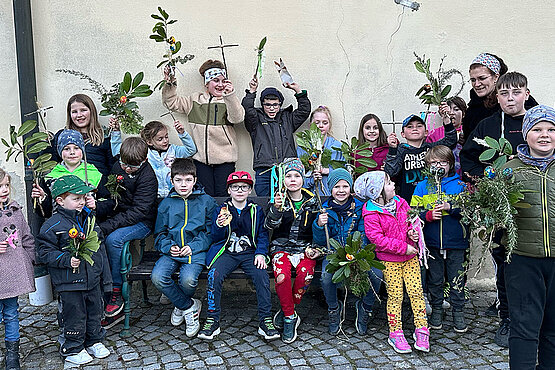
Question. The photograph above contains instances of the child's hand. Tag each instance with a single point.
(114, 124)
(322, 219)
(75, 262)
(278, 201)
(392, 140)
(293, 87)
(186, 251)
(37, 192)
(411, 250)
(179, 127)
(90, 202)
(253, 84)
(228, 87)
(312, 253)
(260, 262)
(175, 251)
(445, 206)
(317, 175)
(169, 75)
(413, 235)
(444, 112)
(3, 246)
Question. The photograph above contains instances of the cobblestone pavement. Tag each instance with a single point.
(156, 344)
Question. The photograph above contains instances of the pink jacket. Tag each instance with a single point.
(388, 232)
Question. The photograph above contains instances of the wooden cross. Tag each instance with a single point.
(221, 47)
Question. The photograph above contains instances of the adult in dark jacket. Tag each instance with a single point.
(272, 129)
(133, 216)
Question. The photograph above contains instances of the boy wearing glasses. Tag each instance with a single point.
(272, 128)
(239, 240)
(130, 216)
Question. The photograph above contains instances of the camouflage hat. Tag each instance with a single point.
(71, 184)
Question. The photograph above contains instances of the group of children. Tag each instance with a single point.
(192, 231)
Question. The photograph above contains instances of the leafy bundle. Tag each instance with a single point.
(83, 244)
(436, 90)
(114, 186)
(357, 156)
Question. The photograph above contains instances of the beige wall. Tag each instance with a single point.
(320, 41)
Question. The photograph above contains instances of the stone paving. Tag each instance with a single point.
(156, 344)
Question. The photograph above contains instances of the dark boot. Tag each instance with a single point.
(12, 355)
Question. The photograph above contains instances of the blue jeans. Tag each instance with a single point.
(330, 288)
(114, 245)
(180, 294)
(226, 264)
(262, 182)
(10, 315)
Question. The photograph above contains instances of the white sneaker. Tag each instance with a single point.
(80, 358)
(177, 317)
(98, 350)
(164, 299)
(428, 307)
(192, 318)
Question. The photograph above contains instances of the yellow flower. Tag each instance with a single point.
(349, 257)
(73, 233)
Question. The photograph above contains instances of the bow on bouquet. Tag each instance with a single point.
(82, 244)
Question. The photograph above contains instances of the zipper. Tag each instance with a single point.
(545, 214)
(225, 132)
(186, 213)
(206, 129)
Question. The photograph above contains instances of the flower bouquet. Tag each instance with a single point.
(436, 91)
(83, 244)
(114, 186)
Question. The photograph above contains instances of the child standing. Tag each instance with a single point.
(445, 237)
(239, 240)
(343, 217)
(272, 128)
(182, 234)
(291, 219)
(77, 281)
(371, 131)
(321, 116)
(17, 254)
(530, 274)
(386, 225)
(406, 161)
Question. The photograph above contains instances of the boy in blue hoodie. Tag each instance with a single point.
(239, 240)
(445, 237)
(182, 234)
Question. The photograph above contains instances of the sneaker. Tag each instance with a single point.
(398, 341)
(278, 320)
(362, 318)
(458, 322)
(191, 318)
(210, 329)
(177, 317)
(422, 338)
(334, 317)
(79, 358)
(435, 320)
(492, 310)
(290, 325)
(164, 299)
(98, 350)
(502, 334)
(428, 307)
(115, 305)
(109, 322)
(267, 329)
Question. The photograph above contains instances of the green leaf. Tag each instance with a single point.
(26, 127)
(419, 67)
(157, 38)
(126, 84)
(162, 32)
(367, 162)
(138, 79)
(161, 64)
(104, 112)
(347, 272)
(13, 135)
(499, 162)
(446, 90)
(506, 146)
(487, 155)
(87, 258)
(156, 16)
(42, 158)
(38, 147)
(5, 142)
(262, 43)
(142, 93)
(164, 14)
(172, 21)
(361, 170)
(177, 47)
(160, 84)
(492, 143)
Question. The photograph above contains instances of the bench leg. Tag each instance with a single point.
(126, 264)
(146, 301)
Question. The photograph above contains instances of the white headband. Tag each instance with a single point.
(212, 73)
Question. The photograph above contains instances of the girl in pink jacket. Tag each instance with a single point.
(386, 225)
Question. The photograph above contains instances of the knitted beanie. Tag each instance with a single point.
(535, 115)
(339, 174)
(293, 164)
(67, 137)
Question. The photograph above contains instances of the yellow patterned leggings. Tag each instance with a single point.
(395, 275)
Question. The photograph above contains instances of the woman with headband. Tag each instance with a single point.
(212, 114)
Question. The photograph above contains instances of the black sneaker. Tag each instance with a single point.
(492, 310)
(334, 317)
(115, 305)
(290, 325)
(502, 334)
(109, 322)
(210, 329)
(362, 319)
(458, 322)
(436, 319)
(278, 320)
(267, 329)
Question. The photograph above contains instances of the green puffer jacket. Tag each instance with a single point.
(536, 225)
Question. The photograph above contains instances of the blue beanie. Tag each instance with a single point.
(67, 137)
(339, 174)
(535, 115)
(271, 91)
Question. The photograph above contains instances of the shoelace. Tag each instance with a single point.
(269, 323)
(422, 336)
(209, 322)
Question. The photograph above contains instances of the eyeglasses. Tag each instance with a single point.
(236, 187)
(271, 105)
(441, 163)
(131, 167)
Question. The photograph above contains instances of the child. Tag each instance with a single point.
(70, 147)
(386, 225)
(530, 274)
(17, 254)
(371, 131)
(321, 116)
(343, 217)
(239, 240)
(77, 281)
(445, 237)
(271, 129)
(290, 218)
(133, 216)
(453, 110)
(182, 234)
(211, 115)
(407, 160)
(161, 154)
(512, 94)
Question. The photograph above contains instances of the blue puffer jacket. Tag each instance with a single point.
(339, 229)
(448, 232)
(184, 222)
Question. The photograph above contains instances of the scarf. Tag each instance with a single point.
(523, 152)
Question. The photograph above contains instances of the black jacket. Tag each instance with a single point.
(137, 202)
(51, 243)
(272, 139)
